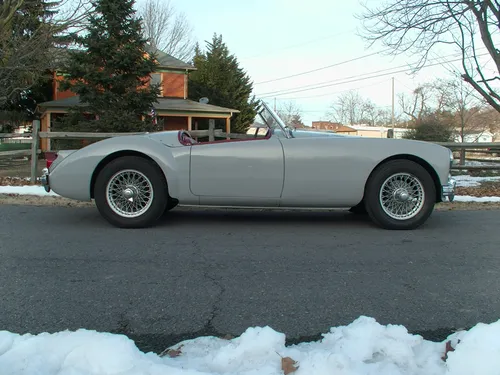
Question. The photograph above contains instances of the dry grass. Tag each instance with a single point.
(467, 206)
(486, 189)
(31, 200)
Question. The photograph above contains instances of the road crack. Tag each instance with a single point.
(209, 272)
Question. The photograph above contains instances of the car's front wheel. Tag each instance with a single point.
(400, 194)
(131, 192)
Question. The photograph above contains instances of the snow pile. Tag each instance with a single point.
(471, 198)
(26, 190)
(472, 181)
(363, 347)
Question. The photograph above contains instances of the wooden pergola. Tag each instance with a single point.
(177, 113)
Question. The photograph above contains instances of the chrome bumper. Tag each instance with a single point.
(44, 179)
(448, 190)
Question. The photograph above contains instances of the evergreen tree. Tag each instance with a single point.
(111, 74)
(31, 19)
(219, 78)
(434, 127)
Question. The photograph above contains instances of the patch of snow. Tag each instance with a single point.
(27, 190)
(472, 181)
(362, 347)
(461, 181)
(469, 198)
(483, 163)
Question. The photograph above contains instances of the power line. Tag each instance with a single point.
(409, 88)
(340, 63)
(322, 68)
(341, 79)
(335, 92)
(300, 44)
(314, 87)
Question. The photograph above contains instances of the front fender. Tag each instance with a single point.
(71, 178)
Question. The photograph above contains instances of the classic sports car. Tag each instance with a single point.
(135, 179)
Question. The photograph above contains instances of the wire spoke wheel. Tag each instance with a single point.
(129, 193)
(402, 196)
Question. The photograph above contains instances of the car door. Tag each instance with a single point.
(239, 171)
(325, 171)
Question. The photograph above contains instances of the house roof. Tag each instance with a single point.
(177, 104)
(163, 104)
(167, 61)
(344, 129)
(60, 57)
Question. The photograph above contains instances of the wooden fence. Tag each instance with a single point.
(211, 133)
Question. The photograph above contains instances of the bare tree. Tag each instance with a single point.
(291, 114)
(465, 104)
(417, 26)
(419, 104)
(373, 115)
(167, 30)
(490, 118)
(348, 109)
(24, 59)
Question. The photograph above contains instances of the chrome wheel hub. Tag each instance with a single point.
(129, 193)
(402, 196)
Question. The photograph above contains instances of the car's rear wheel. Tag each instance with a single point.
(400, 194)
(131, 192)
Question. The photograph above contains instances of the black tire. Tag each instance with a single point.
(171, 204)
(375, 184)
(157, 183)
(359, 209)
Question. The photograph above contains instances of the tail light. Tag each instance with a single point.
(50, 157)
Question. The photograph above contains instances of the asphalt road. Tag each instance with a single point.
(213, 272)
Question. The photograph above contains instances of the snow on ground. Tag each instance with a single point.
(39, 191)
(362, 347)
(26, 190)
(472, 181)
(462, 181)
(470, 198)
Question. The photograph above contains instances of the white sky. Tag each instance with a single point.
(277, 38)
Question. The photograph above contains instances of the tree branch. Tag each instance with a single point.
(418, 26)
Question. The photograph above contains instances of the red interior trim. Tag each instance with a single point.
(185, 140)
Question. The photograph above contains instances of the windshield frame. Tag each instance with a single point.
(277, 120)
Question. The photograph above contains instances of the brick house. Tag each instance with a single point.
(174, 110)
(334, 126)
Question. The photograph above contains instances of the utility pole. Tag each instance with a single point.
(393, 125)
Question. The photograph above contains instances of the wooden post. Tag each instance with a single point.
(211, 130)
(49, 143)
(228, 126)
(190, 123)
(462, 156)
(34, 150)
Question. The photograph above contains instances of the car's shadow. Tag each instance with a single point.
(188, 216)
(212, 217)
(181, 216)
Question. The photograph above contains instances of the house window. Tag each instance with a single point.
(156, 79)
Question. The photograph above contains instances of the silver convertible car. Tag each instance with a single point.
(135, 179)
